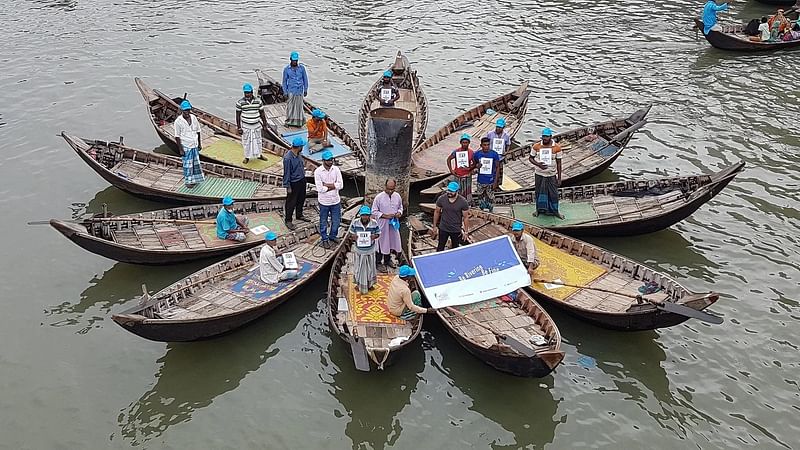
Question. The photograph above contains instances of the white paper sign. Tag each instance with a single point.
(386, 94)
(546, 155)
(289, 260)
(553, 285)
(486, 166)
(498, 145)
(261, 229)
(342, 305)
(363, 239)
(462, 159)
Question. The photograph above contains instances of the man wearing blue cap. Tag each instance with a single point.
(488, 162)
(187, 136)
(294, 180)
(317, 131)
(365, 231)
(387, 91)
(499, 139)
(271, 266)
(461, 164)
(401, 300)
(546, 159)
(450, 218)
(229, 226)
(249, 117)
(295, 87)
(526, 249)
(328, 179)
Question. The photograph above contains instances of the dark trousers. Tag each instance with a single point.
(455, 239)
(295, 200)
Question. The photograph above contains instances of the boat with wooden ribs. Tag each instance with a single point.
(586, 151)
(220, 140)
(526, 322)
(412, 99)
(226, 295)
(364, 320)
(175, 235)
(732, 38)
(619, 208)
(429, 159)
(597, 285)
(159, 177)
(349, 155)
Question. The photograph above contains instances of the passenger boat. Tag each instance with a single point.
(732, 38)
(412, 99)
(619, 208)
(159, 177)
(363, 320)
(587, 151)
(521, 322)
(601, 286)
(429, 158)
(349, 155)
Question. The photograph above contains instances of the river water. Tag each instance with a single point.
(71, 378)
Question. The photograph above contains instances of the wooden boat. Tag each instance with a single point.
(619, 208)
(412, 99)
(220, 140)
(174, 235)
(160, 177)
(349, 154)
(229, 294)
(519, 322)
(365, 318)
(784, 3)
(732, 38)
(429, 159)
(587, 151)
(567, 260)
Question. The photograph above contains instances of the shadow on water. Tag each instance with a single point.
(120, 202)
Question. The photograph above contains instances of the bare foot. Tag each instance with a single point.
(261, 157)
(536, 214)
(560, 216)
(191, 185)
(246, 160)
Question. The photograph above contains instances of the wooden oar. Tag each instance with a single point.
(359, 350)
(142, 219)
(616, 139)
(504, 338)
(662, 305)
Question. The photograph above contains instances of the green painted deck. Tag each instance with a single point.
(573, 213)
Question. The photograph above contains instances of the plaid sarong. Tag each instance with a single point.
(295, 117)
(485, 193)
(251, 142)
(192, 171)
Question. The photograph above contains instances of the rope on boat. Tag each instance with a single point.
(374, 358)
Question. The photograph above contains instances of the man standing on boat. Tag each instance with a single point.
(463, 167)
(387, 209)
(328, 180)
(710, 15)
(271, 266)
(229, 226)
(526, 249)
(450, 218)
(365, 231)
(317, 132)
(295, 87)
(401, 300)
(187, 136)
(546, 158)
(488, 162)
(499, 139)
(387, 91)
(294, 180)
(249, 117)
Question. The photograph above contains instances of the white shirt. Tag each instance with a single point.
(325, 196)
(765, 33)
(186, 132)
(271, 268)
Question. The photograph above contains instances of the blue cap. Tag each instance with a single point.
(364, 211)
(185, 105)
(227, 201)
(327, 155)
(547, 132)
(517, 226)
(406, 271)
(501, 122)
(490, 111)
(247, 87)
(318, 113)
(294, 56)
(298, 142)
(388, 73)
(270, 236)
(465, 136)
(453, 186)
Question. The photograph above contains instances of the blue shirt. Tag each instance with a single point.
(293, 169)
(504, 136)
(487, 178)
(295, 80)
(226, 221)
(372, 227)
(710, 14)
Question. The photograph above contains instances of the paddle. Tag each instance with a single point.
(671, 307)
(617, 138)
(359, 350)
(504, 338)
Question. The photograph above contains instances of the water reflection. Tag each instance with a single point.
(120, 202)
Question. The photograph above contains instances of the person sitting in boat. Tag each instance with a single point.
(187, 136)
(249, 117)
(401, 300)
(546, 158)
(387, 91)
(230, 226)
(317, 132)
(710, 15)
(464, 165)
(764, 34)
(271, 266)
(295, 87)
(778, 25)
(526, 249)
(365, 230)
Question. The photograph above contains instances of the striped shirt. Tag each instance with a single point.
(371, 227)
(250, 109)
